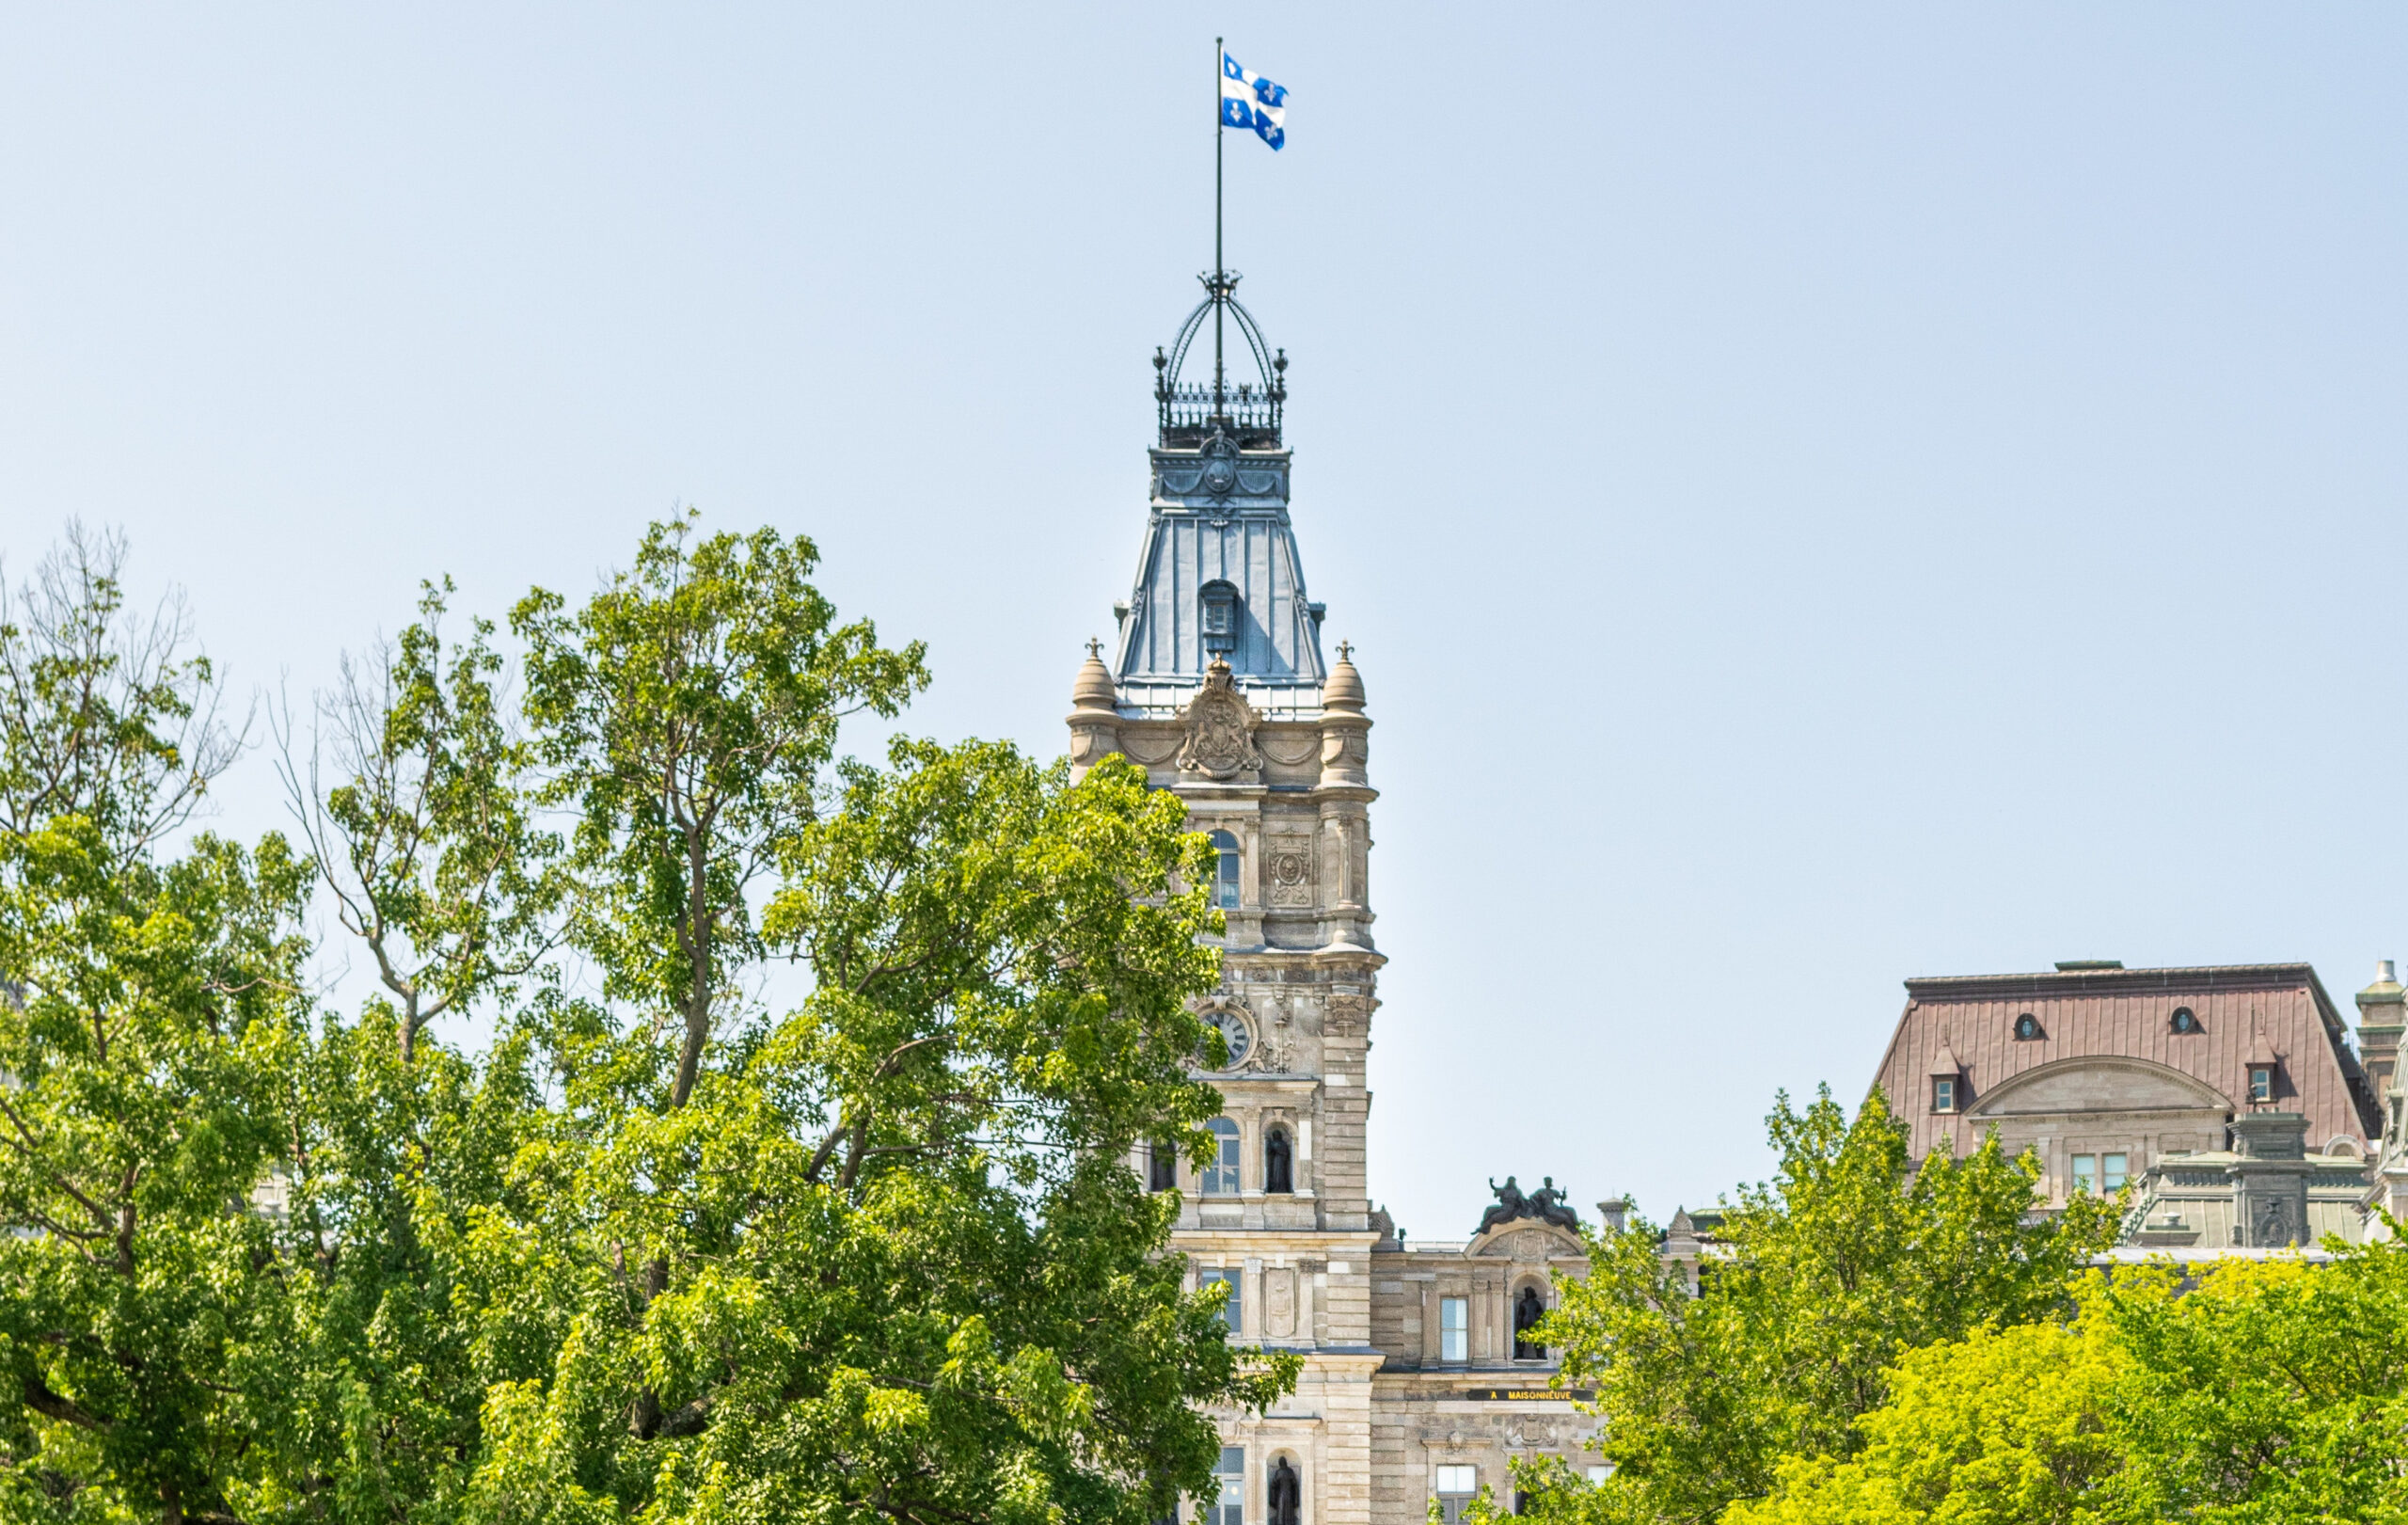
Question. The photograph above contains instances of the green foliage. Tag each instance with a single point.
(2269, 1392)
(1852, 1254)
(658, 1253)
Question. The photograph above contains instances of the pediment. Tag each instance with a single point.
(2101, 1083)
(1526, 1239)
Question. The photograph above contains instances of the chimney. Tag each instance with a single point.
(2383, 1014)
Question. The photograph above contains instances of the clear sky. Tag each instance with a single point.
(1820, 494)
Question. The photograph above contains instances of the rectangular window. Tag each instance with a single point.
(1599, 1471)
(2112, 1172)
(1161, 1164)
(1943, 1093)
(1457, 1487)
(1234, 1305)
(2086, 1174)
(1231, 1509)
(1454, 1330)
(2261, 1083)
(1221, 1176)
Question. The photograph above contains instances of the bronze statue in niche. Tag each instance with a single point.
(1527, 1309)
(1279, 1162)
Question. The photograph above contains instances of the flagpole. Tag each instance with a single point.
(1219, 62)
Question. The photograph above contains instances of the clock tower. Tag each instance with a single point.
(1216, 684)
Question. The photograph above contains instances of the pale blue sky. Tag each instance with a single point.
(1820, 494)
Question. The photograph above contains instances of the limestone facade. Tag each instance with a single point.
(1217, 684)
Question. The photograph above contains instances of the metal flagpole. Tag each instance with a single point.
(1219, 281)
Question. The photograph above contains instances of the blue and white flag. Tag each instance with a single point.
(1251, 100)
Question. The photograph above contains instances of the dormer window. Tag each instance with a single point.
(1220, 601)
(2184, 1022)
(2027, 1028)
(1943, 1093)
(2261, 1082)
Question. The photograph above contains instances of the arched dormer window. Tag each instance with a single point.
(1219, 598)
(1221, 1175)
(1229, 861)
(2027, 1028)
(2184, 1022)
(1279, 1162)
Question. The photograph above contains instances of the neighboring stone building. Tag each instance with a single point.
(1413, 1383)
(2228, 1098)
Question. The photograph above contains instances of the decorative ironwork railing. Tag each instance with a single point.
(1246, 411)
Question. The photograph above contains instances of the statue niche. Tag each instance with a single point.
(1286, 1495)
(1278, 1163)
(1527, 1309)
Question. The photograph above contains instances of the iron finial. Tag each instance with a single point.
(1095, 648)
(1346, 651)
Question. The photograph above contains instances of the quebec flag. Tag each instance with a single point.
(1251, 100)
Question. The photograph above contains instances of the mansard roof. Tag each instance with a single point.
(1220, 515)
(2104, 1013)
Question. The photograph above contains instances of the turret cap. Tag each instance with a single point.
(1344, 690)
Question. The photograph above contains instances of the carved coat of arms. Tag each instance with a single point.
(1220, 729)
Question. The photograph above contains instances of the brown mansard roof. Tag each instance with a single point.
(2128, 1013)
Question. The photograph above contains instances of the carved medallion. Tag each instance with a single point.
(1220, 729)
(1289, 865)
(1220, 466)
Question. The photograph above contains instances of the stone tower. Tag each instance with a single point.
(1217, 685)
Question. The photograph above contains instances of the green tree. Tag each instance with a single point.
(1853, 1253)
(2004, 1427)
(151, 1011)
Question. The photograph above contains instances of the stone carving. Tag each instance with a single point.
(1279, 1302)
(1344, 1016)
(2273, 1224)
(1292, 750)
(1220, 729)
(1289, 865)
(1545, 1204)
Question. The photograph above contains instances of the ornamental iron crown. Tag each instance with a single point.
(1247, 412)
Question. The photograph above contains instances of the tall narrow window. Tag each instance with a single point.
(1221, 1176)
(1161, 1164)
(1230, 1508)
(2086, 1174)
(1454, 1328)
(1220, 611)
(1456, 1487)
(2261, 1082)
(2114, 1170)
(1943, 1093)
(1232, 1296)
(1229, 866)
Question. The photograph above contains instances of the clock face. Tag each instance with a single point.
(1234, 1034)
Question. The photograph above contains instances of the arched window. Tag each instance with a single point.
(2027, 1028)
(1529, 1307)
(1220, 616)
(2185, 1021)
(1279, 1162)
(1230, 859)
(1221, 1176)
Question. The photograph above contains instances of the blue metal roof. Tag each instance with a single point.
(1220, 514)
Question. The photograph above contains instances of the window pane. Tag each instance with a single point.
(2086, 1172)
(1231, 1509)
(1458, 1480)
(1229, 861)
(1943, 1095)
(1221, 1176)
(1232, 1309)
(1598, 1472)
(2112, 1172)
(1454, 1328)
(2261, 1084)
